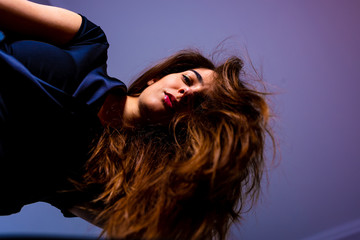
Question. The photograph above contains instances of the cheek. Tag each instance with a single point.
(150, 101)
(153, 111)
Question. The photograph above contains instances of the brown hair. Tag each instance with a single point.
(192, 178)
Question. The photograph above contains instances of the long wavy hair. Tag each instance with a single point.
(193, 177)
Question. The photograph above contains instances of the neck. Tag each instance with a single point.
(131, 113)
(119, 111)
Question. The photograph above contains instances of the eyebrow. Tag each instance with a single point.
(198, 76)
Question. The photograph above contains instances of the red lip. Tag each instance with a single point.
(169, 100)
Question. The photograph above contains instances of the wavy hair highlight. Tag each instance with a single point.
(192, 178)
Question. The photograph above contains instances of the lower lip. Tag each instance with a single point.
(167, 101)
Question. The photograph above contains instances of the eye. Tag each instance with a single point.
(186, 80)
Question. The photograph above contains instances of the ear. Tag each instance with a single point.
(151, 82)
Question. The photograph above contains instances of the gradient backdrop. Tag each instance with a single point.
(309, 52)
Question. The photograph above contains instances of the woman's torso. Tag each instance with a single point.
(49, 98)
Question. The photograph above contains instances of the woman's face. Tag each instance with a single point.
(173, 93)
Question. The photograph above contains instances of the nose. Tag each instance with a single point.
(185, 94)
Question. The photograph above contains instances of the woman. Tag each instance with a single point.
(178, 155)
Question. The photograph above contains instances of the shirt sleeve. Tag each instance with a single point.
(63, 67)
(88, 33)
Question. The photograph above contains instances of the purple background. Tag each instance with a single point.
(309, 52)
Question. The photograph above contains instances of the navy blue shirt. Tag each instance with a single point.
(49, 100)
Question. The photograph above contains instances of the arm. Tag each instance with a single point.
(51, 24)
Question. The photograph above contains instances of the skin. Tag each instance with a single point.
(151, 106)
(180, 89)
